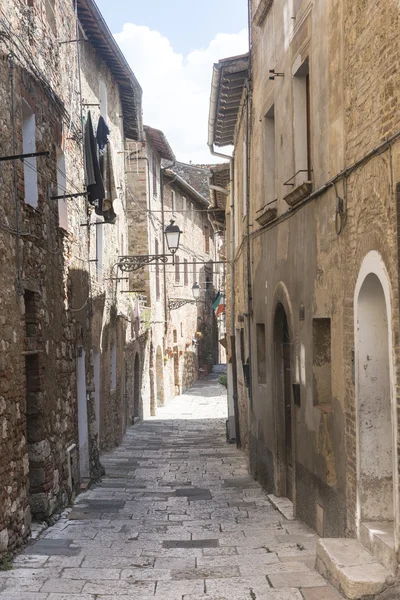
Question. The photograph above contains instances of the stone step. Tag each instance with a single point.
(378, 538)
(351, 568)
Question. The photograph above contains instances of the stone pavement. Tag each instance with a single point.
(176, 517)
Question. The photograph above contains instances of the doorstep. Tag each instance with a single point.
(283, 505)
(378, 538)
(348, 566)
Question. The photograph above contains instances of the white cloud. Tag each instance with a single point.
(176, 88)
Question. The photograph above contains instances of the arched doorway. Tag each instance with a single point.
(159, 377)
(283, 406)
(374, 403)
(136, 387)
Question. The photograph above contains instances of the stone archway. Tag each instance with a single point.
(375, 406)
(283, 404)
(374, 403)
(159, 377)
(136, 387)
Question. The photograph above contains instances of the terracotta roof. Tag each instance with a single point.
(176, 178)
(196, 175)
(99, 35)
(159, 142)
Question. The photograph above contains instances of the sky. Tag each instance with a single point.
(171, 46)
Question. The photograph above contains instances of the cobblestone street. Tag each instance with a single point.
(176, 516)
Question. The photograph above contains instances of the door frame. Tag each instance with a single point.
(281, 298)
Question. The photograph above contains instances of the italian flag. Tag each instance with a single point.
(219, 304)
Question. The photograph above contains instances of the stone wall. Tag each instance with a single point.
(57, 306)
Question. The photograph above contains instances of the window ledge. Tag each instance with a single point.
(298, 193)
(262, 11)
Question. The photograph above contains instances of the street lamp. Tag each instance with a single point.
(135, 262)
(172, 234)
(196, 291)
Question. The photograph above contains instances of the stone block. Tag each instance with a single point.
(39, 451)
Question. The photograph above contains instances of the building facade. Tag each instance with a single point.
(64, 320)
(177, 336)
(315, 260)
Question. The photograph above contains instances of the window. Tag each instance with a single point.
(185, 272)
(113, 366)
(194, 271)
(29, 146)
(175, 336)
(245, 175)
(261, 354)
(181, 329)
(173, 201)
(61, 189)
(270, 173)
(99, 247)
(158, 293)
(184, 207)
(322, 362)
(177, 271)
(154, 173)
(302, 123)
(207, 239)
(103, 100)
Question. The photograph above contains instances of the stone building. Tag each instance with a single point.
(313, 117)
(176, 336)
(63, 323)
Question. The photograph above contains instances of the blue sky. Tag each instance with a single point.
(188, 24)
(171, 45)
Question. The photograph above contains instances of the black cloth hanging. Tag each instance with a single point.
(102, 134)
(94, 180)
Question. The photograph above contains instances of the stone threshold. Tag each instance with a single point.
(283, 505)
(351, 569)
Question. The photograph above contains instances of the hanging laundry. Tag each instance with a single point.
(106, 209)
(102, 134)
(94, 181)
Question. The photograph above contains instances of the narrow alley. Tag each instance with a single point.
(175, 517)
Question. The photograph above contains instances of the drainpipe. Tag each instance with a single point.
(211, 127)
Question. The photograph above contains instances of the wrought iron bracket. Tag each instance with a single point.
(129, 264)
(175, 303)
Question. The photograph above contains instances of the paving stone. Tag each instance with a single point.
(320, 593)
(61, 586)
(206, 543)
(51, 547)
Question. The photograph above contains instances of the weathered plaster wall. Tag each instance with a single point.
(301, 262)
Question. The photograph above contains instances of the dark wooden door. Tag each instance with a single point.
(287, 389)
